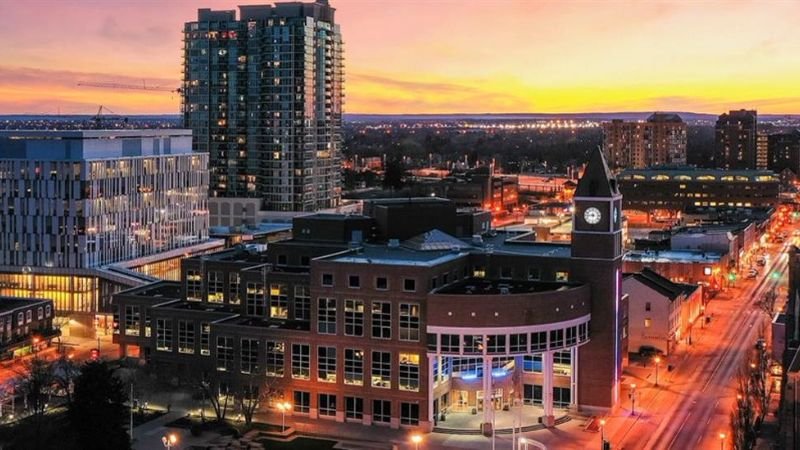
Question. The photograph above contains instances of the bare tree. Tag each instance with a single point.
(217, 394)
(252, 395)
(36, 380)
(65, 370)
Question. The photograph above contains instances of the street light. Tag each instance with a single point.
(169, 441)
(602, 434)
(283, 407)
(416, 439)
(658, 361)
(722, 441)
(632, 395)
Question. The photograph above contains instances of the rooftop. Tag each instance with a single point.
(686, 173)
(663, 285)
(163, 290)
(273, 324)
(673, 256)
(482, 286)
(11, 303)
(79, 145)
(399, 255)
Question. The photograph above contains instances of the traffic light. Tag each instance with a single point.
(95, 354)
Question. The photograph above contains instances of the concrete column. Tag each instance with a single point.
(431, 384)
(573, 384)
(488, 410)
(547, 389)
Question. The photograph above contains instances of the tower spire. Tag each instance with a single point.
(597, 180)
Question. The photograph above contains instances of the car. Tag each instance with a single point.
(761, 262)
(752, 274)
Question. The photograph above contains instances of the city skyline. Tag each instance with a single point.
(444, 59)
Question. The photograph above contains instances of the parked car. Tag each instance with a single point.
(761, 262)
(752, 274)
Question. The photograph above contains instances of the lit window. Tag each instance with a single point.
(647, 323)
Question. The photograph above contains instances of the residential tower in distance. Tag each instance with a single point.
(735, 140)
(636, 145)
(262, 94)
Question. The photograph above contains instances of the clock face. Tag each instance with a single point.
(592, 215)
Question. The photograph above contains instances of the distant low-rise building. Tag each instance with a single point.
(683, 266)
(26, 325)
(661, 313)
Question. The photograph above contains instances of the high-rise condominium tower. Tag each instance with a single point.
(636, 145)
(735, 142)
(263, 95)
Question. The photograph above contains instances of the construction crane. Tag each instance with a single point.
(99, 117)
(136, 87)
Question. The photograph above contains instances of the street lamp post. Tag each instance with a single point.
(722, 441)
(283, 407)
(632, 395)
(169, 441)
(658, 361)
(416, 439)
(602, 434)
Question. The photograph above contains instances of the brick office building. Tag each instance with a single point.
(354, 320)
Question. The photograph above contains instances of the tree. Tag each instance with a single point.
(394, 174)
(98, 415)
(65, 370)
(249, 397)
(211, 388)
(36, 380)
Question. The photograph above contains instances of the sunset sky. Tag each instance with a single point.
(437, 56)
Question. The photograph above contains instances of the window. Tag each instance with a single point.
(534, 273)
(382, 370)
(572, 335)
(353, 367)
(381, 320)
(255, 301)
(409, 372)
(327, 405)
(132, 318)
(583, 332)
(381, 283)
(20, 319)
(164, 335)
(562, 363)
(279, 301)
(147, 327)
(556, 338)
(409, 413)
(538, 341)
(205, 338)
(186, 337)
(302, 303)
(561, 397)
(301, 361)
(39, 313)
(326, 315)
(562, 276)
(409, 322)
(479, 272)
(216, 286)
(249, 354)
(326, 364)
(496, 343)
(327, 279)
(282, 259)
(505, 272)
(450, 343)
(354, 281)
(409, 284)
(532, 394)
(647, 322)
(431, 339)
(224, 353)
(302, 402)
(28, 316)
(353, 318)
(274, 358)
(194, 285)
(706, 271)
(354, 407)
(233, 289)
(647, 306)
(381, 411)
(519, 343)
(473, 344)
(532, 363)
(47, 311)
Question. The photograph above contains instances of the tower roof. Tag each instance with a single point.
(597, 180)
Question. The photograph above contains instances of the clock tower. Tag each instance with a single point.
(597, 261)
